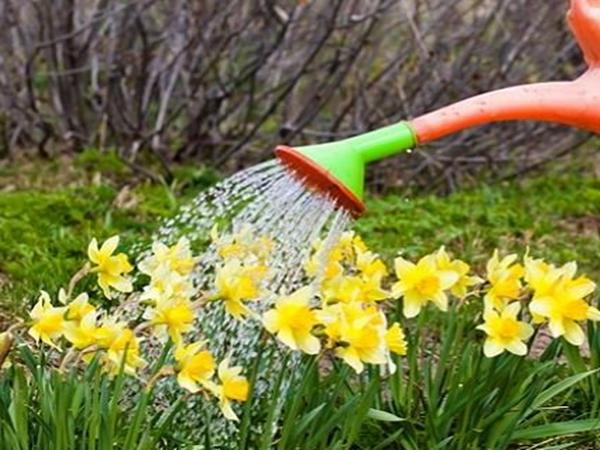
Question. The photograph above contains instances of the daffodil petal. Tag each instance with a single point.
(573, 333)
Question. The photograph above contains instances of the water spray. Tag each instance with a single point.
(337, 169)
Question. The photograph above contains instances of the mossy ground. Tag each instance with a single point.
(50, 211)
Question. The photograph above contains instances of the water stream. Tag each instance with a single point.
(276, 204)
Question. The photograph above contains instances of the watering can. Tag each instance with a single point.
(337, 169)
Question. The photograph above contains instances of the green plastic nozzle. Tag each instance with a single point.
(346, 160)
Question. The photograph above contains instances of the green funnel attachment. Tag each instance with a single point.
(337, 169)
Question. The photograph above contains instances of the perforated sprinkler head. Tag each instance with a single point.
(337, 169)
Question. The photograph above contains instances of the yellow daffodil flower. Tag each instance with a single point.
(464, 281)
(395, 339)
(83, 332)
(505, 332)
(564, 304)
(370, 265)
(292, 320)
(171, 318)
(541, 278)
(505, 280)
(177, 258)
(110, 268)
(358, 333)
(236, 284)
(357, 289)
(195, 366)
(48, 321)
(421, 283)
(242, 245)
(77, 308)
(233, 387)
(121, 345)
(329, 270)
(167, 285)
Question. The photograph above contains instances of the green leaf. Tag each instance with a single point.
(556, 429)
(556, 389)
(383, 416)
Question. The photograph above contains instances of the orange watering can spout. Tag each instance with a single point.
(575, 103)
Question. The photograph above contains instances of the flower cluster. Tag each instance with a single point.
(339, 309)
(553, 295)
(242, 271)
(170, 303)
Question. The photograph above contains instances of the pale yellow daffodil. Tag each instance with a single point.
(110, 268)
(84, 332)
(233, 387)
(242, 245)
(505, 331)
(47, 320)
(121, 345)
(465, 281)
(357, 332)
(195, 366)
(171, 318)
(167, 285)
(177, 258)
(292, 320)
(421, 283)
(76, 308)
(236, 284)
(504, 276)
(563, 304)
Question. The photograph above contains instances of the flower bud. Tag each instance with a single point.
(6, 341)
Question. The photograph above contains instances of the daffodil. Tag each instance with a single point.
(540, 276)
(370, 265)
(177, 258)
(421, 283)
(6, 343)
(121, 345)
(110, 268)
(171, 318)
(358, 334)
(242, 245)
(236, 284)
(542, 279)
(326, 262)
(195, 366)
(357, 289)
(505, 280)
(167, 285)
(292, 320)
(233, 387)
(563, 304)
(77, 308)
(505, 331)
(84, 332)
(327, 270)
(464, 281)
(395, 339)
(47, 320)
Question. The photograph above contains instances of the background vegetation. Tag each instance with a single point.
(223, 82)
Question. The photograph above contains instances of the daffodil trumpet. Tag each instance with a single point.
(337, 169)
